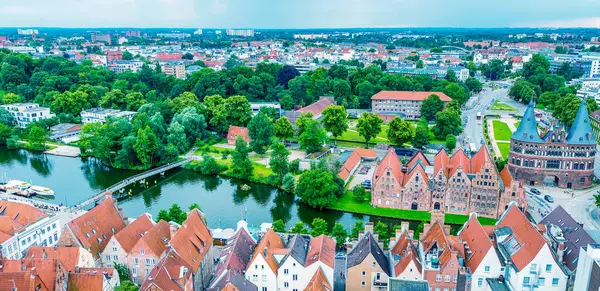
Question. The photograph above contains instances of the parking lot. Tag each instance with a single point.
(360, 175)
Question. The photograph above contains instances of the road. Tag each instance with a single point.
(339, 273)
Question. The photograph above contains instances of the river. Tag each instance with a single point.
(221, 199)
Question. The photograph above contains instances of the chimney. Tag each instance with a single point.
(405, 225)
(437, 216)
(369, 227)
(411, 234)
(361, 234)
(426, 228)
(77, 269)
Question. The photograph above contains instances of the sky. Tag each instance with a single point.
(299, 13)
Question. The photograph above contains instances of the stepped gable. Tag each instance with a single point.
(417, 169)
(441, 161)
(581, 130)
(527, 130)
(407, 251)
(418, 158)
(480, 158)
(459, 158)
(392, 162)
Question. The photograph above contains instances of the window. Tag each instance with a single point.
(549, 268)
(264, 288)
(363, 283)
(286, 284)
(107, 258)
(364, 273)
(286, 271)
(455, 278)
(487, 269)
(374, 263)
(438, 278)
(134, 271)
(554, 282)
(295, 277)
(447, 278)
(116, 258)
(525, 281)
(533, 268)
(541, 281)
(264, 278)
(137, 263)
(479, 282)
(141, 251)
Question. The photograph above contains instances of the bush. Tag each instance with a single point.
(359, 193)
(225, 154)
(295, 166)
(209, 166)
(288, 183)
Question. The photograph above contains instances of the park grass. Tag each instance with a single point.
(501, 130)
(504, 148)
(500, 106)
(517, 124)
(347, 203)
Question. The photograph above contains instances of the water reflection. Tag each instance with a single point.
(41, 164)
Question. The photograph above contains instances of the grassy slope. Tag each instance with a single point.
(502, 106)
(504, 148)
(501, 130)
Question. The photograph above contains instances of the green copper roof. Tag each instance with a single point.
(581, 130)
(527, 130)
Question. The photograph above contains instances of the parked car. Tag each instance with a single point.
(548, 198)
(535, 191)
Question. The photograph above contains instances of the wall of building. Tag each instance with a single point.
(261, 275)
(480, 274)
(362, 276)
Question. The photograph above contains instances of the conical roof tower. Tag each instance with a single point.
(527, 130)
(581, 130)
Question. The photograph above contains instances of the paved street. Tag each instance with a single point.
(339, 274)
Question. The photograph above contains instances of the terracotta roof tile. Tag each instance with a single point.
(318, 282)
(418, 169)
(317, 108)
(270, 242)
(235, 256)
(408, 95)
(436, 236)
(46, 270)
(392, 162)
(166, 274)
(134, 231)
(68, 256)
(353, 160)
(321, 248)
(506, 177)
(95, 228)
(17, 216)
(475, 236)
(234, 131)
(85, 282)
(192, 240)
(459, 158)
(441, 162)
(418, 157)
(22, 281)
(158, 237)
(480, 159)
(407, 252)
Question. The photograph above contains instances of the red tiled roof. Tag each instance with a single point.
(22, 213)
(506, 177)
(130, 235)
(321, 248)
(318, 282)
(236, 254)
(436, 236)
(479, 159)
(45, 270)
(390, 161)
(68, 256)
(234, 131)
(192, 240)
(353, 160)
(85, 282)
(418, 169)
(459, 158)
(441, 162)
(317, 108)
(94, 229)
(416, 158)
(22, 281)
(528, 237)
(475, 236)
(407, 252)
(408, 95)
(165, 275)
(271, 242)
(158, 237)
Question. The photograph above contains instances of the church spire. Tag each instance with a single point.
(527, 130)
(581, 130)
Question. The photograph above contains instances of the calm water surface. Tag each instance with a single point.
(223, 200)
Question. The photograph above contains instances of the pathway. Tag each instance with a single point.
(492, 138)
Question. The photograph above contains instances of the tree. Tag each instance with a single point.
(6, 117)
(5, 134)
(194, 206)
(455, 91)
(278, 226)
(289, 183)
(10, 98)
(126, 285)
(260, 130)
(313, 137)
(286, 100)
(187, 56)
(597, 199)
(342, 91)
(286, 74)
(537, 65)
(474, 85)
(365, 91)
(369, 126)
(400, 131)
(146, 146)
(303, 121)
(241, 166)
(279, 160)
(319, 227)
(450, 142)
(340, 234)
(335, 120)
(177, 136)
(359, 193)
(591, 104)
(283, 128)
(422, 136)
(420, 64)
(451, 76)
(383, 230)
(127, 56)
(493, 70)
(566, 71)
(430, 106)
(299, 228)
(193, 123)
(37, 138)
(318, 188)
(210, 166)
(358, 227)
(448, 122)
(177, 214)
(238, 110)
(187, 99)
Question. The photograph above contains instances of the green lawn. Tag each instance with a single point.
(501, 130)
(502, 106)
(517, 124)
(504, 148)
(353, 136)
(347, 204)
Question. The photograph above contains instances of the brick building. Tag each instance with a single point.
(406, 104)
(557, 157)
(453, 184)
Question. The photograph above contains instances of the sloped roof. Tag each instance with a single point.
(436, 236)
(524, 241)
(85, 282)
(418, 169)
(192, 240)
(409, 95)
(297, 249)
(581, 130)
(478, 241)
(158, 237)
(418, 158)
(16, 216)
(527, 130)
(441, 161)
(480, 158)
(234, 131)
(22, 281)
(165, 275)
(317, 108)
(353, 160)
(459, 158)
(391, 161)
(269, 242)
(407, 252)
(68, 256)
(130, 235)
(576, 237)
(45, 270)
(318, 282)
(237, 253)
(368, 245)
(506, 177)
(321, 248)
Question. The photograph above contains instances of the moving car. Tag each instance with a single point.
(535, 191)
(548, 198)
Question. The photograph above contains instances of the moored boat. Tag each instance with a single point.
(42, 191)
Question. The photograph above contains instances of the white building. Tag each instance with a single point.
(588, 268)
(530, 263)
(256, 106)
(27, 31)
(262, 269)
(240, 32)
(24, 226)
(198, 31)
(26, 113)
(120, 66)
(100, 115)
(594, 69)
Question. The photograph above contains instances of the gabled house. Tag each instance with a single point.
(41, 274)
(95, 228)
(234, 259)
(320, 259)
(72, 258)
(404, 256)
(121, 243)
(171, 273)
(368, 266)
(264, 264)
(480, 254)
(234, 132)
(530, 263)
(291, 271)
(148, 250)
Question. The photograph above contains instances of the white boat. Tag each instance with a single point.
(42, 191)
(17, 187)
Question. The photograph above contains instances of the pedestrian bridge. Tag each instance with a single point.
(97, 198)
